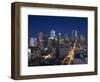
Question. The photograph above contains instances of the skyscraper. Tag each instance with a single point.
(52, 34)
(40, 39)
(33, 42)
(59, 36)
(76, 33)
(66, 37)
(72, 32)
(82, 38)
(76, 36)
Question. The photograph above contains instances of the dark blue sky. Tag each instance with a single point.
(61, 24)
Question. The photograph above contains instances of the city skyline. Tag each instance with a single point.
(53, 35)
(56, 40)
(57, 49)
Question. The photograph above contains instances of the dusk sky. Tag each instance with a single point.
(60, 24)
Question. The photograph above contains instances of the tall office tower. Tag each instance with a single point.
(49, 42)
(73, 36)
(40, 35)
(76, 33)
(76, 36)
(82, 38)
(59, 36)
(45, 41)
(72, 32)
(56, 38)
(52, 34)
(40, 40)
(33, 42)
(65, 37)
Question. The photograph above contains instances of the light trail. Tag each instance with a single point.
(69, 56)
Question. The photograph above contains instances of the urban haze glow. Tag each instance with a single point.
(56, 40)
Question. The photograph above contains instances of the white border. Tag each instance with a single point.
(25, 70)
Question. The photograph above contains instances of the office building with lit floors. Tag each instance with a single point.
(57, 41)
